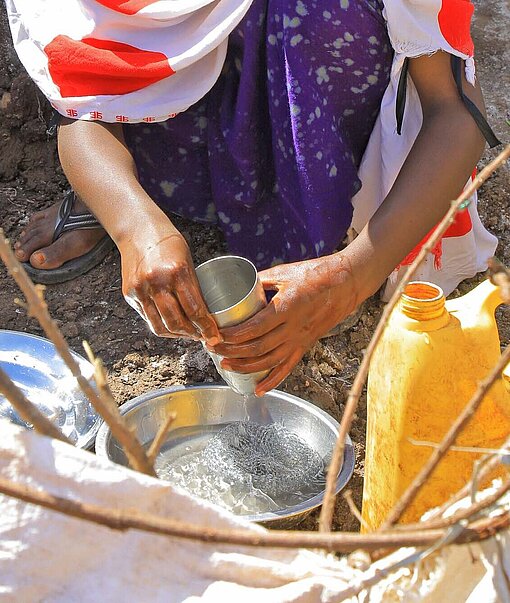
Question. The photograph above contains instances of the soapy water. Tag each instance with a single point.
(244, 467)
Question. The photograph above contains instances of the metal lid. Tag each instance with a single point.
(35, 366)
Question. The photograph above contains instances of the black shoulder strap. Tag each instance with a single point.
(401, 95)
(480, 120)
(456, 63)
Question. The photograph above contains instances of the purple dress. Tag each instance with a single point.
(271, 153)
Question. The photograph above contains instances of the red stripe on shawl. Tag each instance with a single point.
(460, 226)
(128, 7)
(455, 22)
(92, 67)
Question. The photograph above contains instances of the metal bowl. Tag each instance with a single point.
(208, 405)
(35, 366)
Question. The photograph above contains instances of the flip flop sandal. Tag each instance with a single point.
(67, 222)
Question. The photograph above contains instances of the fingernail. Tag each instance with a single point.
(39, 258)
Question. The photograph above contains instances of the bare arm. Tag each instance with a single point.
(437, 168)
(315, 295)
(158, 278)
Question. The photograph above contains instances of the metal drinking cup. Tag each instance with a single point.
(233, 293)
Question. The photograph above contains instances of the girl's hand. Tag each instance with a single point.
(312, 297)
(159, 282)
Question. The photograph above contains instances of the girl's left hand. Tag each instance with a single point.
(312, 297)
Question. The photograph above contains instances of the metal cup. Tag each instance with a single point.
(233, 293)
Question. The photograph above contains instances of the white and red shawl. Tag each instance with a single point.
(146, 60)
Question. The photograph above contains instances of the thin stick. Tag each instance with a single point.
(438, 453)
(326, 515)
(160, 438)
(353, 508)
(28, 411)
(473, 449)
(39, 310)
(347, 541)
(488, 464)
(100, 377)
(500, 276)
(415, 557)
(443, 522)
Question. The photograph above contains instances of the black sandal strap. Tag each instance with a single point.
(67, 222)
(476, 114)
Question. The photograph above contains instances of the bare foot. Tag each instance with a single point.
(35, 242)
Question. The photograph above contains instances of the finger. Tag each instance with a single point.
(263, 322)
(254, 365)
(253, 348)
(173, 316)
(153, 318)
(278, 374)
(193, 304)
(132, 301)
(269, 280)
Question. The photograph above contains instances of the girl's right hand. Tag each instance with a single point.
(160, 283)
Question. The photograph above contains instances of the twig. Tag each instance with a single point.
(28, 411)
(116, 519)
(500, 276)
(411, 559)
(490, 462)
(100, 377)
(474, 449)
(462, 420)
(160, 438)
(467, 513)
(353, 508)
(326, 515)
(39, 310)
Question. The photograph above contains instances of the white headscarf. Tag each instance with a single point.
(123, 60)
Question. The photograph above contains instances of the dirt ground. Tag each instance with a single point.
(92, 307)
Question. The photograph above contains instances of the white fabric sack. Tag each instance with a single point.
(47, 556)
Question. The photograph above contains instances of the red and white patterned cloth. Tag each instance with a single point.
(123, 60)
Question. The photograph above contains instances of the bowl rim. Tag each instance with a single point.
(305, 506)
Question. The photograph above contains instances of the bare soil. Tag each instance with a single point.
(92, 307)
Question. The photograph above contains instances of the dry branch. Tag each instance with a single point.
(489, 463)
(38, 309)
(353, 508)
(500, 276)
(326, 515)
(468, 513)
(28, 411)
(159, 440)
(345, 541)
(460, 423)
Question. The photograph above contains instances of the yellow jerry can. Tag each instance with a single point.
(424, 371)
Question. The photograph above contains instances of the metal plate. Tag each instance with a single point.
(35, 366)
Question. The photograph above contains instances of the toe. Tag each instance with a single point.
(70, 246)
(31, 240)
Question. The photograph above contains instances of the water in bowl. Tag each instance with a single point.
(244, 467)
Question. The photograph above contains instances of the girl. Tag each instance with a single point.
(284, 121)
